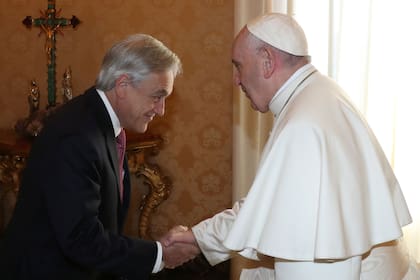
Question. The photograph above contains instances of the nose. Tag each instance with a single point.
(160, 107)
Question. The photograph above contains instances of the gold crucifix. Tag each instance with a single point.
(50, 23)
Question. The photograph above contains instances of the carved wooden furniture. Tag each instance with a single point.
(140, 147)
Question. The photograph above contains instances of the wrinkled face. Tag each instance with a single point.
(248, 72)
(137, 105)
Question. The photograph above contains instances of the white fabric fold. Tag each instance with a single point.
(257, 274)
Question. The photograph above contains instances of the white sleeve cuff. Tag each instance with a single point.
(159, 264)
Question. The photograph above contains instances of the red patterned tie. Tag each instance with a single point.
(121, 150)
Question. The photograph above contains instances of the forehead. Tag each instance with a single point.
(240, 46)
(157, 83)
(165, 82)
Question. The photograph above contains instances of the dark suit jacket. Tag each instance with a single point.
(68, 218)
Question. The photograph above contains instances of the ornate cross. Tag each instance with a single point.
(50, 23)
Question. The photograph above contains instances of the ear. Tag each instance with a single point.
(121, 83)
(269, 63)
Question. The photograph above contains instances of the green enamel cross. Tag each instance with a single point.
(50, 23)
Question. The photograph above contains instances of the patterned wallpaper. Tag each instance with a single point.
(197, 126)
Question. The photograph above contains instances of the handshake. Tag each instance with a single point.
(178, 246)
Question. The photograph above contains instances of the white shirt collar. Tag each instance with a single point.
(285, 92)
(115, 121)
(293, 77)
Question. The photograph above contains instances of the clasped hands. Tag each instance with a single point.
(179, 246)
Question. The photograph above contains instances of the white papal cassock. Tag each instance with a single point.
(324, 194)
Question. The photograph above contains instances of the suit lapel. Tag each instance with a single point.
(105, 123)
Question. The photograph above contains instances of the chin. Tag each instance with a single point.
(143, 128)
(139, 129)
(254, 107)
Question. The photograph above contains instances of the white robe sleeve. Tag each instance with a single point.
(211, 233)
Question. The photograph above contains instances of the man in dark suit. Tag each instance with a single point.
(70, 210)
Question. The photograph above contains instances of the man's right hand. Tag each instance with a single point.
(179, 246)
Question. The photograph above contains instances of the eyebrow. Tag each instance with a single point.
(161, 92)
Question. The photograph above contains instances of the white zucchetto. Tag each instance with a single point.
(280, 31)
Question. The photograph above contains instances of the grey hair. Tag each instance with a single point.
(136, 56)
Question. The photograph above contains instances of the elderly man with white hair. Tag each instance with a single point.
(325, 203)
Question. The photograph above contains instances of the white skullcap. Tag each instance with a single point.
(280, 31)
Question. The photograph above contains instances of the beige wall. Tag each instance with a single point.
(197, 125)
